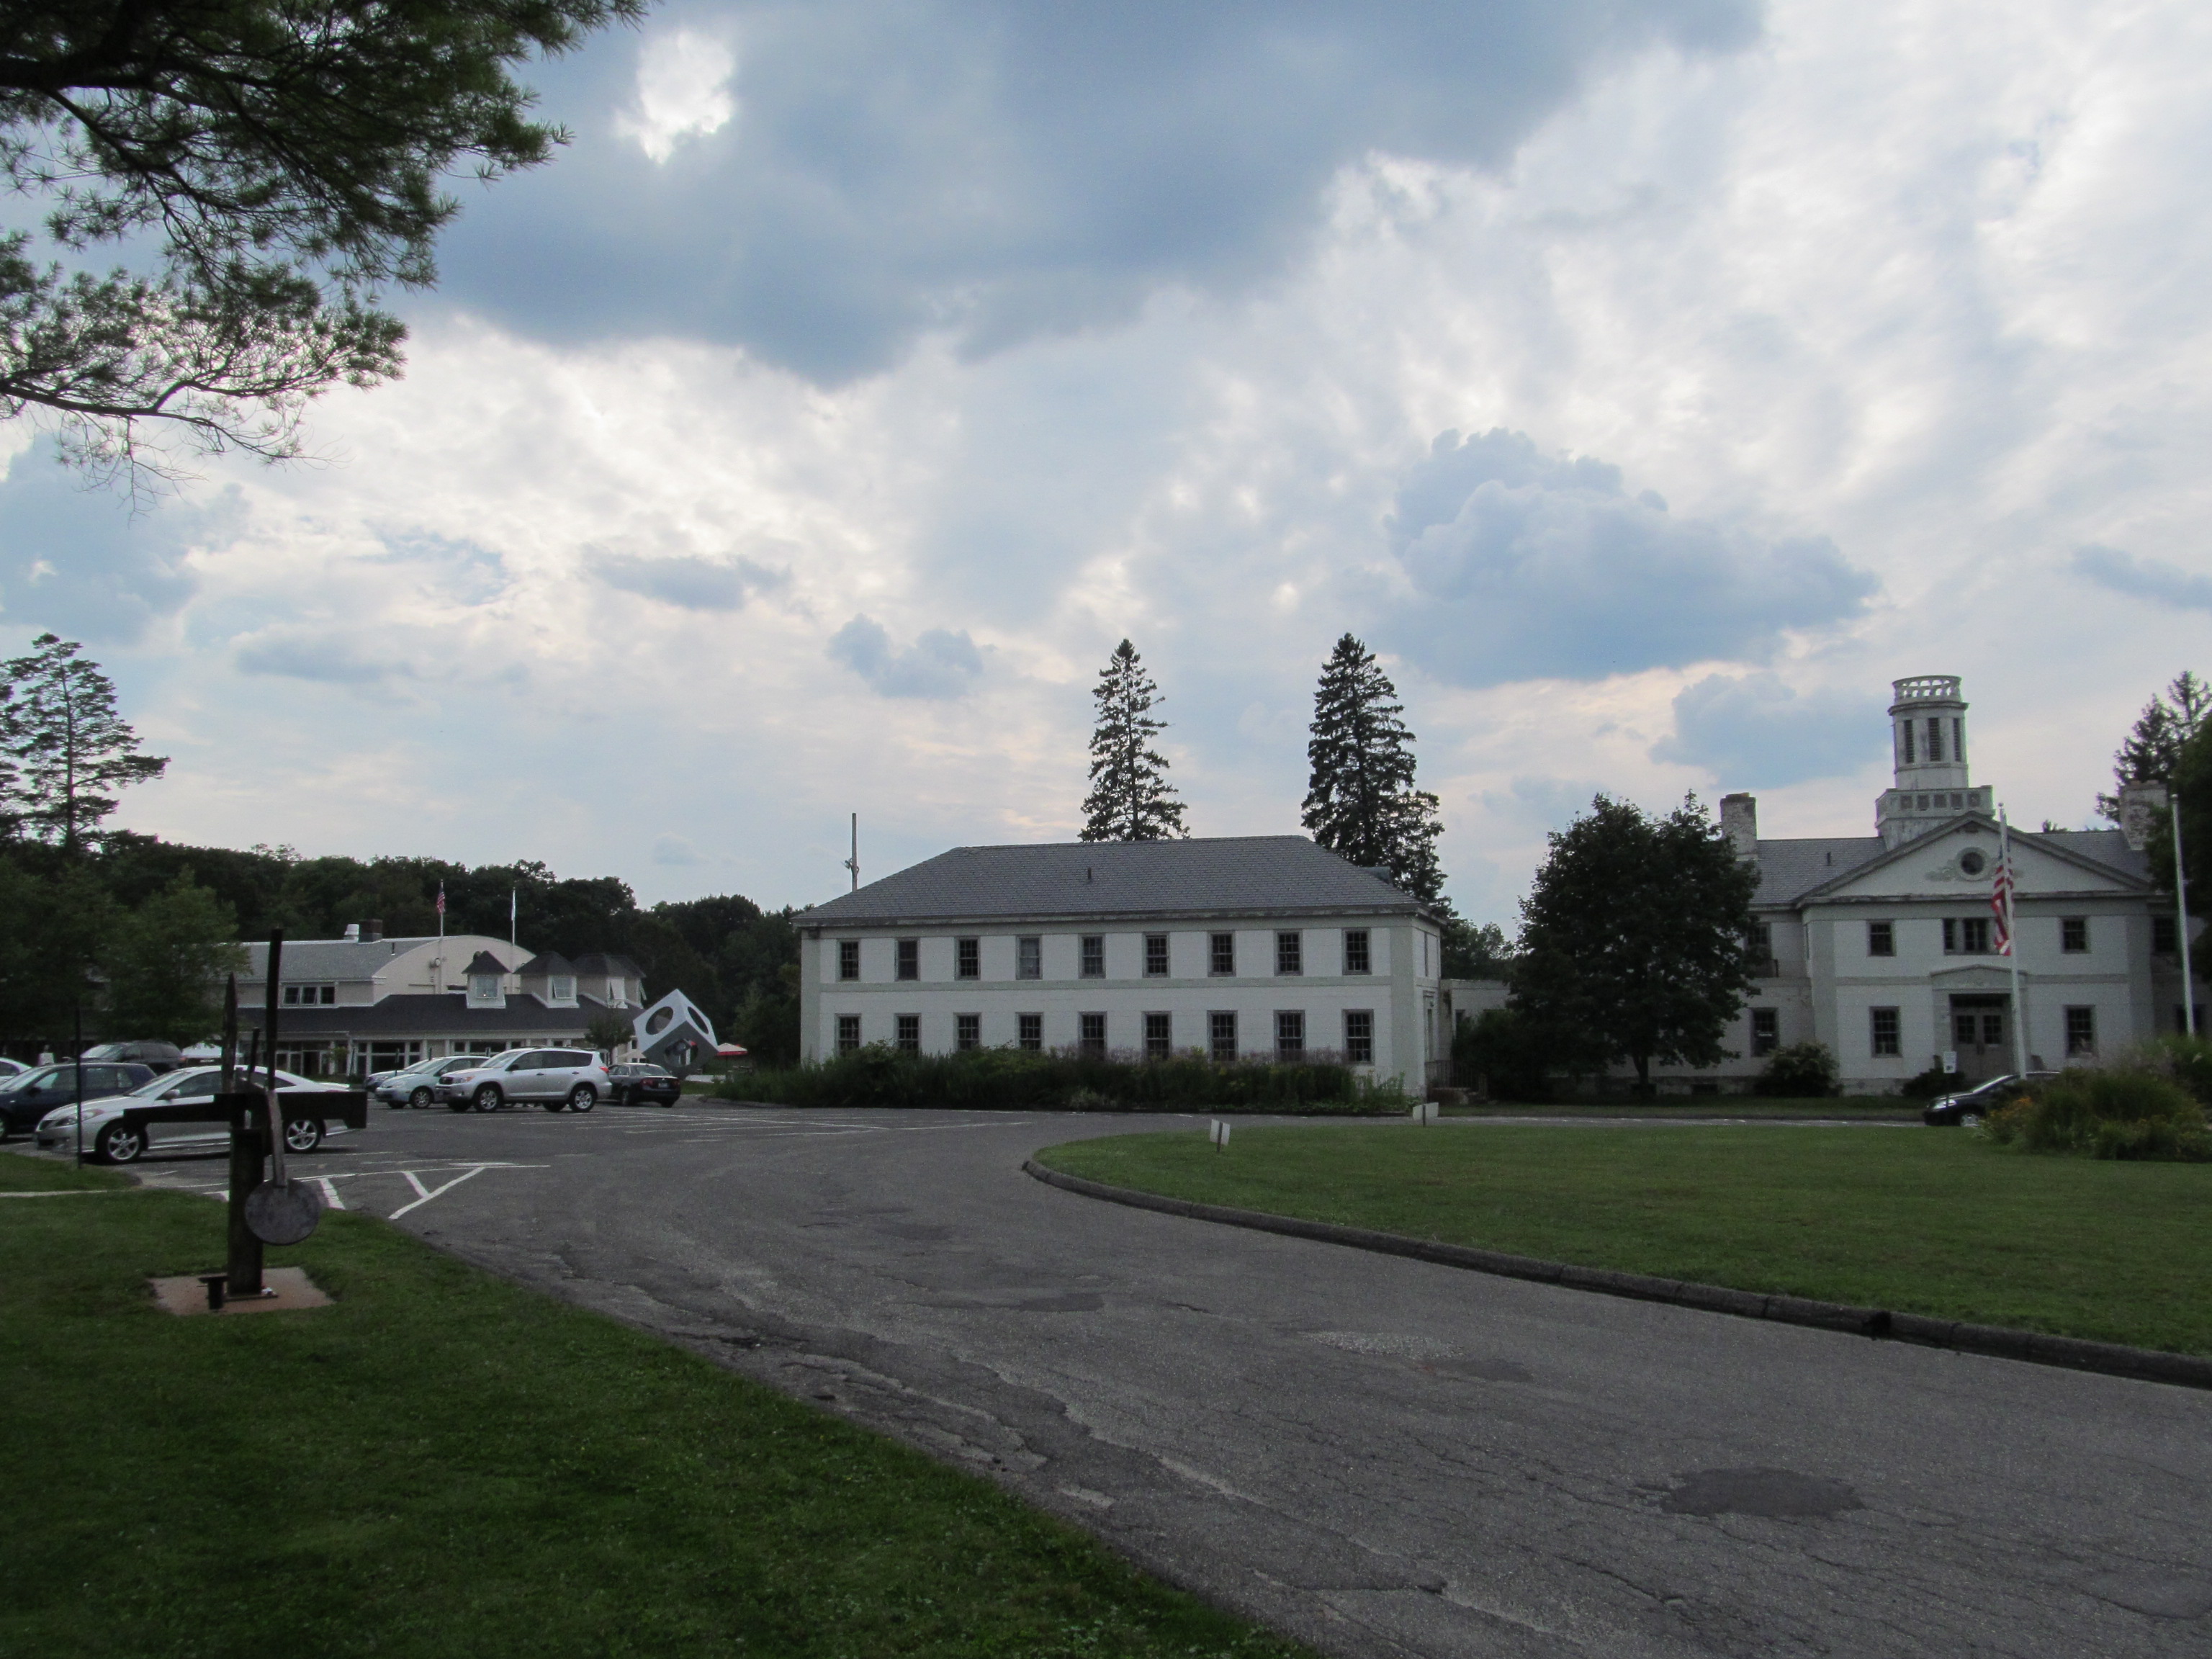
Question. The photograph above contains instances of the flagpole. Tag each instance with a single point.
(2181, 918)
(2012, 947)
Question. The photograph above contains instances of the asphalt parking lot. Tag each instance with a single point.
(1382, 1456)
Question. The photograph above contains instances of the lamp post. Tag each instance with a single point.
(2181, 915)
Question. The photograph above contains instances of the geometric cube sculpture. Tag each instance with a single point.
(673, 1033)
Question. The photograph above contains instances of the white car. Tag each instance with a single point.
(12, 1067)
(113, 1137)
(417, 1085)
(575, 1078)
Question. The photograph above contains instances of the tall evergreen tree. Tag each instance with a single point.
(1130, 798)
(71, 747)
(1361, 802)
(2152, 750)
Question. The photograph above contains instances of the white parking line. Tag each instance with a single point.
(330, 1191)
(428, 1193)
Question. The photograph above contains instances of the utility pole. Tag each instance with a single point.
(854, 862)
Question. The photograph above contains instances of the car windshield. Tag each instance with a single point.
(38, 1078)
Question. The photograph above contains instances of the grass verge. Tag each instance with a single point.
(1857, 1108)
(1933, 1222)
(445, 1464)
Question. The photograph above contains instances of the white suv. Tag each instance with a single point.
(575, 1078)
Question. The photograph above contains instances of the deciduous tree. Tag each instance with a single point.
(1635, 938)
(71, 748)
(1130, 798)
(283, 163)
(1360, 800)
(166, 964)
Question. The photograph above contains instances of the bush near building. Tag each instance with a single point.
(2142, 1109)
(1803, 1071)
(1012, 1079)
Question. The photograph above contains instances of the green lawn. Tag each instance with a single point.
(1882, 1108)
(1923, 1221)
(445, 1464)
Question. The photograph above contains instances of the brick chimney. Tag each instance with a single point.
(1739, 823)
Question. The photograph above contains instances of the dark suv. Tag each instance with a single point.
(26, 1098)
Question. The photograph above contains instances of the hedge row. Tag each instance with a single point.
(1012, 1079)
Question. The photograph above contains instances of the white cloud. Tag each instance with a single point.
(682, 92)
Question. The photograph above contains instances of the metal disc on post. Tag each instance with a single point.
(283, 1213)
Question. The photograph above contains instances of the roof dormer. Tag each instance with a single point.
(486, 977)
(551, 978)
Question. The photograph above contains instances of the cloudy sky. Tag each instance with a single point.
(1650, 384)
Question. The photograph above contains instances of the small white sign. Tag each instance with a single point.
(1218, 1132)
(1950, 1060)
(1426, 1111)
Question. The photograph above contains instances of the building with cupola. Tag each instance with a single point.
(1885, 947)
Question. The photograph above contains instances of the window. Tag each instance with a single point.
(1359, 1037)
(1766, 1030)
(1221, 955)
(1029, 958)
(2073, 935)
(966, 958)
(563, 988)
(1094, 955)
(2165, 935)
(1355, 951)
(909, 1034)
(2080, 1030)
(1290, 1034)
(1090, 1039)
(1906, 727)
(1159, 1036)
(1028, 1030)
(1221, 1034)
(484, 988)
(1881, 939)
(312, 996)
(967, 1031)
(1762, 940)
(1156, 956)
(1883, 1031)
(848, 1033)
(1965, 936)
(1289, 953)
(848, 959)
(910, 958)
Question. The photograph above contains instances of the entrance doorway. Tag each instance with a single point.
(1981, 1032)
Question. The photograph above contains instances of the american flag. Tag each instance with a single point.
(441, 898)
(2000, 904)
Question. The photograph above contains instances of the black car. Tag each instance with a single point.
(1966, 1110)
(24, 1099)
(635, 1084)
(160, 1056)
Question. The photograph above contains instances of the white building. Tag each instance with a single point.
(1883, 947)
(367, 1003)
(1263, 945)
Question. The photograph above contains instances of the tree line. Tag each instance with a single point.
(129, 935)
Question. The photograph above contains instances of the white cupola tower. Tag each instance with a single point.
(1928, 746)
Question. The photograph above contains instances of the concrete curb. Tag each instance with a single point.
(2106, 1359)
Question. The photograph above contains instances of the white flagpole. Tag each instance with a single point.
(2181, 917)
(2012, 944)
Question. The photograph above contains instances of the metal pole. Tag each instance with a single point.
(2012, 946)
(76, 1023)
(2181, 916)
(854, 862)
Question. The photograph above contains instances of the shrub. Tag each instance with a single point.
(1501, 1049)
(1013, 1079)
(2188, 1061)
(1929, 1084)
(1802, 1071)
(2121, 1112)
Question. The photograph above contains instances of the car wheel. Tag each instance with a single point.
(121, 1143)
(419, 1099)
(583, 1097)
(487, 1098)
(303, 1134)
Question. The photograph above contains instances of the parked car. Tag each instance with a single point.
(110, 1137)
(554, 1078)
(11, 1068)
(417, 1085)
(634, 1084)
(162, 1056)
(24, 1099)
(1966, 1110)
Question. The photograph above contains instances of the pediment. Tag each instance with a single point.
(1958, 863)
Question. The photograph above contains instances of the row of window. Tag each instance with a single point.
(310, 996)
(1969, 936)
(1932, 747)
(1223, 1040)
(1090, 956)
(1977, 1029)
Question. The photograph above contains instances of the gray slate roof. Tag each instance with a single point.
(330, 958)
(1787, 870)
(427, 1013)
(1268, 873)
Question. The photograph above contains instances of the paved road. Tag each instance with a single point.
(1382, 1456)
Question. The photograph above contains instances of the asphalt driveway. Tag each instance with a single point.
(1380, 1456)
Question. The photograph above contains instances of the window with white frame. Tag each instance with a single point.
(1156, 956)
(2081, 1031)
(1356, 960)
(967, 1031)
(1159, 1036)
(908, 1028)
(1883, 1036)
(848, 959)
(1221, 955)
(310, 996)
(1290, 953)
(2073, 935)
(1359, 1037)
(910, 958)
(1092, 962)
(966, 958)
(1029, 958)
(1221, 1033)
(1090, 1036)
(1290, 1034)
(848, 1033)
(1028, 1032)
